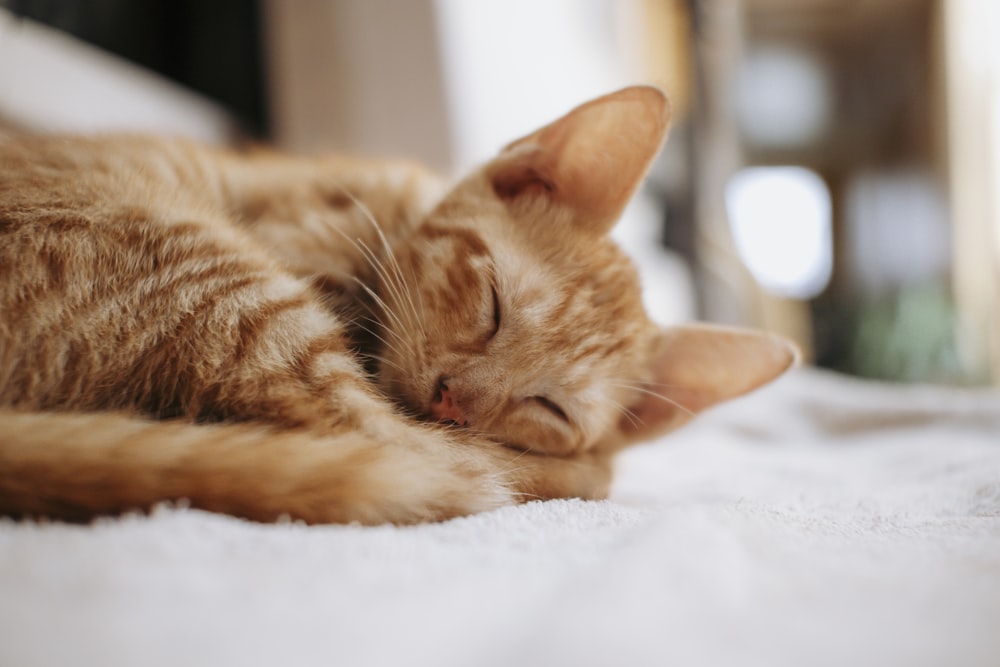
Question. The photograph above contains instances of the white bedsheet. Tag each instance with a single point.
(821, 521)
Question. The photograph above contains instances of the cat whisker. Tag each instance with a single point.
(387, 362)
(420, 300)
(383, 306)
(373, 319)
(397, 289)
(391, 255)
(633, 418)
(376, 264)
(359, 324)
(650, 392)
(640, 385)
(524, 496)
(407, 292)
(394, 280)
(380, 271)
(402, 295)
(385, 342)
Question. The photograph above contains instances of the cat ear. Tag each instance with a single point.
(698, 366)
(590, 160)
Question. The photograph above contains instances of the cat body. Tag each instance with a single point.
(334, 339)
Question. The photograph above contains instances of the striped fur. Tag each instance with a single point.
(265, 335)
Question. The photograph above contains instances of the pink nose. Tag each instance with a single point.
(445, 408)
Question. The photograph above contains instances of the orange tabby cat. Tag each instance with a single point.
(265, 335)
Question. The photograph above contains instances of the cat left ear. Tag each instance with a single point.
(591, 160)
(698, 366)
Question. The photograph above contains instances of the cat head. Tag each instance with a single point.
(516, 314)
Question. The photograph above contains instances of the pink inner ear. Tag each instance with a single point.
(590, 160)
(698, 366)
(518, 180)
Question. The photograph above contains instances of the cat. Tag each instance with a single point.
(335, 339)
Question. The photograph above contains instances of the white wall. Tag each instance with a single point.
(51, 82)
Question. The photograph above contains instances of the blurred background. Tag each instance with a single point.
(832, 172)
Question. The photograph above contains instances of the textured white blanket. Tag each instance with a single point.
(821, 521)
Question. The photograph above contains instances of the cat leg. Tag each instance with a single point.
(540, 477)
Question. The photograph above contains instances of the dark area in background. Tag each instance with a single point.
(212, 47)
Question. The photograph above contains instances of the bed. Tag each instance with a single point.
(823, 520)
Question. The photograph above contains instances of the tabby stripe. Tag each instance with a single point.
(475, 245)
(253, 324)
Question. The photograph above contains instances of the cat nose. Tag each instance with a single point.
(444, 407)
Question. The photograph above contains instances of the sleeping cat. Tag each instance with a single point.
(336, 340)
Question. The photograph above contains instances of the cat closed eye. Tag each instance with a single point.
(551, 406)
(496, 313)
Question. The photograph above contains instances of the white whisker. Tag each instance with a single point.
(383, 360)
(396, 287)
(649, 392)
(380, 271)
(394, 282)
(391, 255)
(384, 307)
(385, 342)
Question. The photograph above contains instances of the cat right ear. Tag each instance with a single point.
(697, 366)
(591, 160)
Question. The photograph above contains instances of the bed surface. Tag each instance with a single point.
(820, 521)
